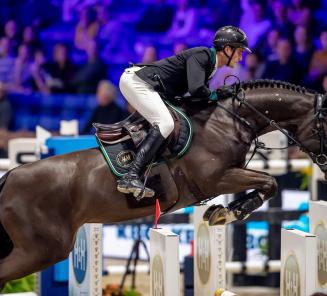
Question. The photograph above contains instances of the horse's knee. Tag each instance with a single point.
(271, 187)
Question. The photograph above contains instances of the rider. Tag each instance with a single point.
(187, 72)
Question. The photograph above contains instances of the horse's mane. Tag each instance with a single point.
(260, 83)
(202, 109)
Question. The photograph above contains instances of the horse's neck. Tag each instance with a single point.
(286, 107)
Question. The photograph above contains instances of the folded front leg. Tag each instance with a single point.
(238, 180)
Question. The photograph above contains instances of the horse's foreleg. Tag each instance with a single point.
(239, 180)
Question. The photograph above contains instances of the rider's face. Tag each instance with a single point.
(237, 57)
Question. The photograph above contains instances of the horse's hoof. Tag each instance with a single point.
(209, 211)
(221, 216)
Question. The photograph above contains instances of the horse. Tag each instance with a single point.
(42, 204)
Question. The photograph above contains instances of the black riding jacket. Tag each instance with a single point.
(186, 72)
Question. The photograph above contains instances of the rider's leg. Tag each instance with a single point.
(150, 105)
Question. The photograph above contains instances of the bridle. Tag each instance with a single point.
(319, 116)
(320, 113)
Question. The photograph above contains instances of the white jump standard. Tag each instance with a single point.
(299, 267)
(209, 255)
(164, 263)
(318, 226)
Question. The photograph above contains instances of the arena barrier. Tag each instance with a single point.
(209, 255)
(85, 262)
(318, 226)
(299, 267)
(164, 263)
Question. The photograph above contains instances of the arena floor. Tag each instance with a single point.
(143, 280)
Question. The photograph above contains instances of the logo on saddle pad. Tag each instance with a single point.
(125, 158)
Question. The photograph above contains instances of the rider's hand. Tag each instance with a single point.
(224, 92)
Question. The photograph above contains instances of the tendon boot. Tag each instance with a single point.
(131, 182)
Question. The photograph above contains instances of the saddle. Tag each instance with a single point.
(119, 142)
(134, 127)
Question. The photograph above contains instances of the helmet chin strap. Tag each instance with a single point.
(229, 57)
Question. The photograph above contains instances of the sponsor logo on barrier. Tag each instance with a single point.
(291, 280)
(158, 288)
(80, 255)
(321, 233)
(125, 158)
(203, 253)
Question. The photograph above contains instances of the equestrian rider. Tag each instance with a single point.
(187, 72)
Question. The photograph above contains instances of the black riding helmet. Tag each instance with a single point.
(230, 36)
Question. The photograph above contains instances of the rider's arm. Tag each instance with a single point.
(196, 76)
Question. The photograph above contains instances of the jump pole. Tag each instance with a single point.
(318, 226)
(164, 263)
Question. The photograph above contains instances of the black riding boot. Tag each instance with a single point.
(131, 183)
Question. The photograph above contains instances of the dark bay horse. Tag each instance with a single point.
(43, 204)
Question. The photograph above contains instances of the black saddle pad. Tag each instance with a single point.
(119, 156)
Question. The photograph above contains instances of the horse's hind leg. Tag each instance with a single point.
(29, 258)
(17, 264)
(37, 244)
(238, 180)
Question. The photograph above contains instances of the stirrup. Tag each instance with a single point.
(138, 190)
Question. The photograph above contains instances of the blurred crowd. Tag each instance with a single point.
(82, 46)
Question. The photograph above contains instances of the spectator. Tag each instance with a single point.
(110, 32)
(12, 34)
(5, 119)
(179, 47)
(299, 14)
(318, 64)
(184, 21)
(214, 14)
(39, 74)
(253, 68)
(149, 20)
(90, 74)
(303, 48)
(38, 13)
(6, 63)
(61, 71)
(23, 81)
(30, 39)
(107, 110)
(285, 68)
(259, 26)
(5, 108)
(150, 55)
(86, 29)
(269, 47)
(280, 20)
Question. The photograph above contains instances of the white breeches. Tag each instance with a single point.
(146, 101)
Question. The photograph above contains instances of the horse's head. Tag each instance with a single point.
(313, 136)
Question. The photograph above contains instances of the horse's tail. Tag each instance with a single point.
(6, 243)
